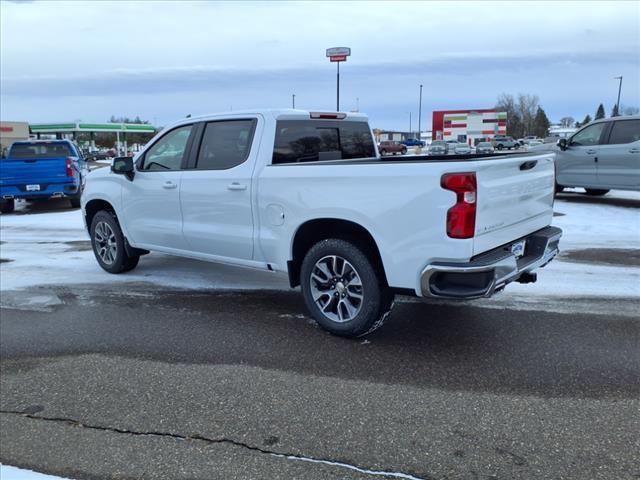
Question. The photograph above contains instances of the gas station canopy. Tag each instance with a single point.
(77, 127)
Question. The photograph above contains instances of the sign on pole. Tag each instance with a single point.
(337, 55)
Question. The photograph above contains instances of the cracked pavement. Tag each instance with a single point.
(139, 381)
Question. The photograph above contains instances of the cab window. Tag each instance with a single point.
(588, 136)
(167, 153)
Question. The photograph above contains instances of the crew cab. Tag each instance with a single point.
(42, 169)
(305, 194)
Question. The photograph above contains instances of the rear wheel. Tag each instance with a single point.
(343, 289)
(595, 192)
(499, 147)
(109, 245)
(403, 151)
(7, 205)
(383, 152)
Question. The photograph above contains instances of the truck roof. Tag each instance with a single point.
(276, 113)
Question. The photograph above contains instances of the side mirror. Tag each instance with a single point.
(123, 166)
(562, 144)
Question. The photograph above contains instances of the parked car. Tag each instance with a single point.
(528, 139)
(304, 194)
(603, 155)
(438, 147)
(461, 149)
(412, 142)
(484, 147)
(42, 169)
(391, 147)
(501, 142)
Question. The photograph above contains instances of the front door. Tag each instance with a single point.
(216, 192)
(151, 201)
(577, 165)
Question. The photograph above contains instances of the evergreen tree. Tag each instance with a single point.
(541, 123)
(600, 112)
(586, 120)
(614, 111)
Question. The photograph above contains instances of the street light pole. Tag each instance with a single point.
(420, 114)
(619, 89)
(410, 125)
(293, 100)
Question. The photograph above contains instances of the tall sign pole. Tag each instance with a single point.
(338, 54)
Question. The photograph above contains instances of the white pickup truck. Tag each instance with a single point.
(306, 194)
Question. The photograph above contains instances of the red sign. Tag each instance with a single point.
(338, 58)
(6, 129)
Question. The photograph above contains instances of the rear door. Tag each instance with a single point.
(514, 199)
(216, 190)
(151, 201)
(577, 165)
(619, 157)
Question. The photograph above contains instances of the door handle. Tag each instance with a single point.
(634, 150)
(169, 185)
(236, 186)
(591, 152)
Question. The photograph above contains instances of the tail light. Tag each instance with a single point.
(461, 218)
(69, 167)
(327, 115)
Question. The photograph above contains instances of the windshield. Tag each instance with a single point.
(40, 150)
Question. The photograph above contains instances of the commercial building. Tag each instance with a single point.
(468, 126)
(12, 132)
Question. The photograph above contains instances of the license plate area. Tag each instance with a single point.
(32, 188)
(518, 248)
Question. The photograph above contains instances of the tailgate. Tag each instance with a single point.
(515, 198)
(31, 171)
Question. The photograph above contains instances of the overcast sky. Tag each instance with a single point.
(162, 60)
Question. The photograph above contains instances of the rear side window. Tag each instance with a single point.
(625, 131)
(316, 140)
(41, 150)
(225, 144)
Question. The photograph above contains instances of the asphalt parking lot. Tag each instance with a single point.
(138, 378)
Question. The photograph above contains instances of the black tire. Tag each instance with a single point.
(121, 261)
(595, 192)
(558, 189)
(75, 202)
(383, 152)
(7, 205)
(499, 147)
(516, 146)
(403, 151)
(377, 298)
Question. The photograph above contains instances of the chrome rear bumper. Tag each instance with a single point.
(492, 270)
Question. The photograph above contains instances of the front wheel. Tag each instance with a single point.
(595, 192)
(7, 205)
(403, 151)
(499, 147)
(343, 289)
(109, 245)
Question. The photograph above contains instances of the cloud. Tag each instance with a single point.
(204, 78)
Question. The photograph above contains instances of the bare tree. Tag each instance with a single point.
(527, 108)
(506, 103)
(567, 122)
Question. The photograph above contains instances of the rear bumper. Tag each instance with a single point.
(492, 270)
(67, 189)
